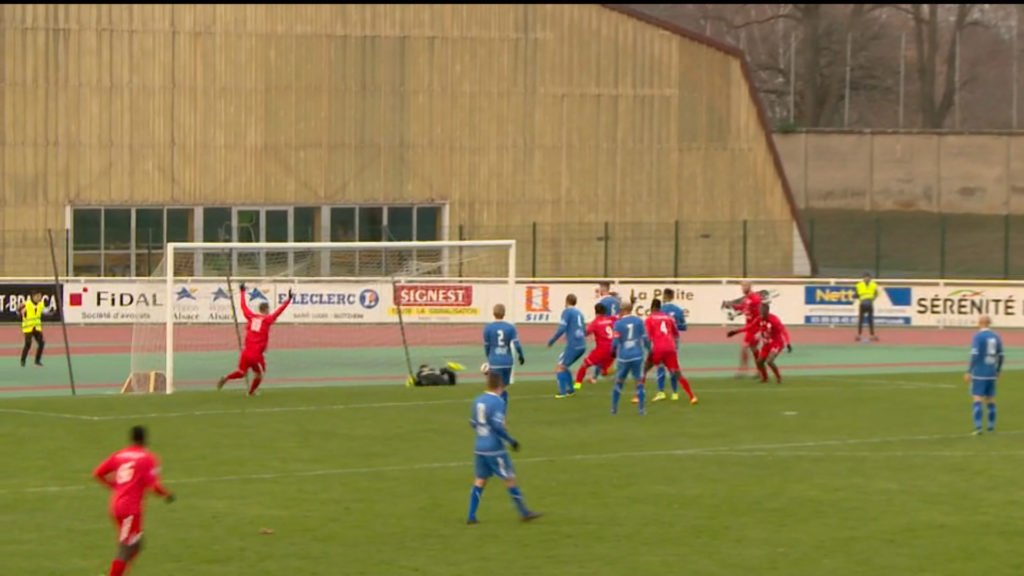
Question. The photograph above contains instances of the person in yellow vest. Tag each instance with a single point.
(867, 291)
(32, 326)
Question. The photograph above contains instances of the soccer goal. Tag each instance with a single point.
(362, 313)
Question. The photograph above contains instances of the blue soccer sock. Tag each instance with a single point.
(661, 378)
(675, 384)
(992, 416)
(561, 382)
(474, 500)
(504, 396)
(517, 499)
(616, 395)
(641, 395)
(565, 381)
(977, 415)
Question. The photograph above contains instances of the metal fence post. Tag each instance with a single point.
(606, 239)
(1006, 247)
(533, 249)
(942, 246)
(878, 246)
(744, 248)
(810, 238)
(675, 251)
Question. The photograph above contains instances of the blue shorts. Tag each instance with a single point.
(499, 465)
(629, 367)
(570, 356)
(983, 388)
(505, 373)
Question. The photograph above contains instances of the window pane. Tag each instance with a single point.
(343, 224)
(86, 225)
(277, 226)
(249, 226)
(149, 228)
(117, 228)
(399, 224)
(216, 224)
(428, 223)
(148, 261)
(307, 224)
(371, 223)
(86, 264)
(179, 224)
(117, 264)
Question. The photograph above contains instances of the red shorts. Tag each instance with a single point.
(603, 359)
(129, 528)
(250, 361)
(770, 348)
(667, 358)
(751, 339)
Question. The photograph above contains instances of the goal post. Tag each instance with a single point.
(364, 312)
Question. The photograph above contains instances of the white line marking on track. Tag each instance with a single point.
(49, 414)
(736, 450)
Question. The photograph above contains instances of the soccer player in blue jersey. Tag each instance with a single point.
(629, 344)
(611, 302)
(677, 314)
(500, 338)
(986, 364)
(488, 422)
(574, 327)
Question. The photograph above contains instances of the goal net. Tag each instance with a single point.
(362, 313)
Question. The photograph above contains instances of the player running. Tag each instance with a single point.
(257, 337)
(679, 316)
(602, 328)
(500, 338)
(663, 334)
(629, 344)
(983, 372)
(750, 306)
(488, 421)
(573, 326)
(773, 337)
(130, 473)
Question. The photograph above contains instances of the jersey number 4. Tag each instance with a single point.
(256, 324)
(664, 328)
(481, 420)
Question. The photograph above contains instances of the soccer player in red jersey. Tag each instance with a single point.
(662, 331)
(750, 306)
(774, 337)
(602, 328)
(130, 473)
(257, 336)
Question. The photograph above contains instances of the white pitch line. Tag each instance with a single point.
(736, 450)
(49, 414)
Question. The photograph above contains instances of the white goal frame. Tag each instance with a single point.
(174, 247)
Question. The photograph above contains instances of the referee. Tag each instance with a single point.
(867, 291)
(32, 326)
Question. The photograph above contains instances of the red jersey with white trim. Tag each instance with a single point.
(257, 327)
(750, 306)
(774, 331)
(662, 331)
(130, 473)
(603, 330)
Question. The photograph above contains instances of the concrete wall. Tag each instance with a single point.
(947, 173)
(509, 113)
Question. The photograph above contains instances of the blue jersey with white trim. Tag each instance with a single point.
(612, 304)
(986, 355)
(676, 313)
(574, 327)
(500, 338)
(488, 421)
(630, 339)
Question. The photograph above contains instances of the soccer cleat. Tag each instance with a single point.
(977, 432)
(694, 401)
(222, 382)
(560, 396)
(659, 397)
(531, 516)
(675, 396)
(22, 363)
(472, 521)
(635, 400)
(577, 385)
(592, 380)
(39, 363)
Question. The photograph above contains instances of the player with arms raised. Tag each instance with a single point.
(629, 344)
(488, 422)
(602, 328)
(663, 334)
(257, 337)
(130, 473)
(573, 327)
(500, 338)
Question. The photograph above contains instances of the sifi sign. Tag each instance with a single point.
(538, 304)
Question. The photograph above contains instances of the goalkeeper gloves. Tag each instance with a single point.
(522, 360)
(733, 333)
(171, 498)
(515, 445)
(290, 294)
(789, 348)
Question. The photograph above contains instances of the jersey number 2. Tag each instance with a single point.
(501, 340)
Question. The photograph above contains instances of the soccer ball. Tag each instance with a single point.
(485, 368)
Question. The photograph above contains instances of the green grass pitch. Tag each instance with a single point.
(824, 475)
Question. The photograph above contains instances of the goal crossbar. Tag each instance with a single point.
(178, 247)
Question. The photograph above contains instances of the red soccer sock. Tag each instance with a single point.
(762, 371)
(744, 358)
(117, 567)
(582, 372)
(775, 370)
(686, 386)
(235, 375)
(255, 384)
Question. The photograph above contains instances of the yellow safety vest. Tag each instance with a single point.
(867, 291)
(33, 319)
